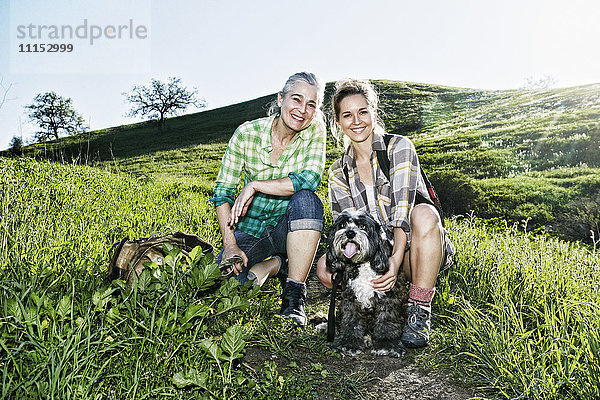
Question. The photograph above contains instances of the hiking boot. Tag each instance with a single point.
(292, 302)
(418, 326)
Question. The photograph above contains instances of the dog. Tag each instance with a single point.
(369, 319)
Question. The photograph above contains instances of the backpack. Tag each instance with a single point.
(130, 255)
(384, 164)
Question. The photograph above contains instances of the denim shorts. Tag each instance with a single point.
(304, 211)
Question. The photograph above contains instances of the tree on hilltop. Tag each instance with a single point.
(159, 99)
(54, 114)
(15, 147)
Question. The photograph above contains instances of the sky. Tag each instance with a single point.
(232, 51)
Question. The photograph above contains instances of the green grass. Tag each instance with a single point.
(517, 317)
(66, 332)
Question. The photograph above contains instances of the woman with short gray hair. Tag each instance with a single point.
(274, 225)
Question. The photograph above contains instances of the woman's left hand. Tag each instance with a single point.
(387, 281)
(241, 204)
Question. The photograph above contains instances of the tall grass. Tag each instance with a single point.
(68, 333)
(517, 317)
(56, 216)
(519, 314)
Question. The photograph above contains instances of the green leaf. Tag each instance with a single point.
(121, 284)
(101, 298)
(64, 307)
(36, 299)
(150, 264)
(190, 378)
(203, 277)
(14, 310)
(211, 348)
(113, 315)
(170, 261)
(168, 247)
(228, 288)
(207, 259)
(233, 343)
(144, 279)
(229, 304)
(195, 310)
(194, 256)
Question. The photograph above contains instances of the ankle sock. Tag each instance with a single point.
(421, 296)
(295, 281)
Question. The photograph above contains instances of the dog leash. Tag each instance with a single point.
(337, 278)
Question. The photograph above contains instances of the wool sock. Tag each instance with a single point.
(421, 296)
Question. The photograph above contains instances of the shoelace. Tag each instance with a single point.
(417, 318)
(295, 296)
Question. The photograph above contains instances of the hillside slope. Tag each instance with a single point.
(517, 155)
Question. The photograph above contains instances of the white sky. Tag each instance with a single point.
(239, 50)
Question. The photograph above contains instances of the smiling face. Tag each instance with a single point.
(355, 118)
(298, 106)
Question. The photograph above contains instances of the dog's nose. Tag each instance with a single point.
(350, 234)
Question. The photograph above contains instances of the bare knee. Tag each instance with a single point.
(322, 273)
(425, 222)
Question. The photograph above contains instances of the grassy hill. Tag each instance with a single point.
(517, 155)
(518, 315)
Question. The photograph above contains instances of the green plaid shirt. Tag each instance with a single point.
(248, 150)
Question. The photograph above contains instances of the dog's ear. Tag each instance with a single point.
(382, 249)
(332, 262)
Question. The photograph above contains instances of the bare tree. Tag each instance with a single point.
(54, 114)
(545, 82)
(4, 91)
(159, 100)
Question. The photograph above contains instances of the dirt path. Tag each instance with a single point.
(387, 377)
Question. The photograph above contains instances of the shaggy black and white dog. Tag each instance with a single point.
(369, 319)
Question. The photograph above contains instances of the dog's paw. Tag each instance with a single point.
(341, 347)
(346, 351)
(389, 349)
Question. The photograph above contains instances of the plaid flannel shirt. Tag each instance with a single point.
(395, 197)
(248, 150)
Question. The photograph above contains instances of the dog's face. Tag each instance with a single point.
(352, 235)
(355, 238)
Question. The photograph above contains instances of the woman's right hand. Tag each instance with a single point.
(231, 251)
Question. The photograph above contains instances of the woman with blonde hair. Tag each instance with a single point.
(401, 204)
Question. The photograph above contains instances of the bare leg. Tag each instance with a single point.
(265, 269)
(301, 249)
(426, 248)
(322, 273)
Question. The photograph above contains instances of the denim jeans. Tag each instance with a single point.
(304, 211)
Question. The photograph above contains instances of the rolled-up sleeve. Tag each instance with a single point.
(230, 172)
(306, 179)
(314, 160)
